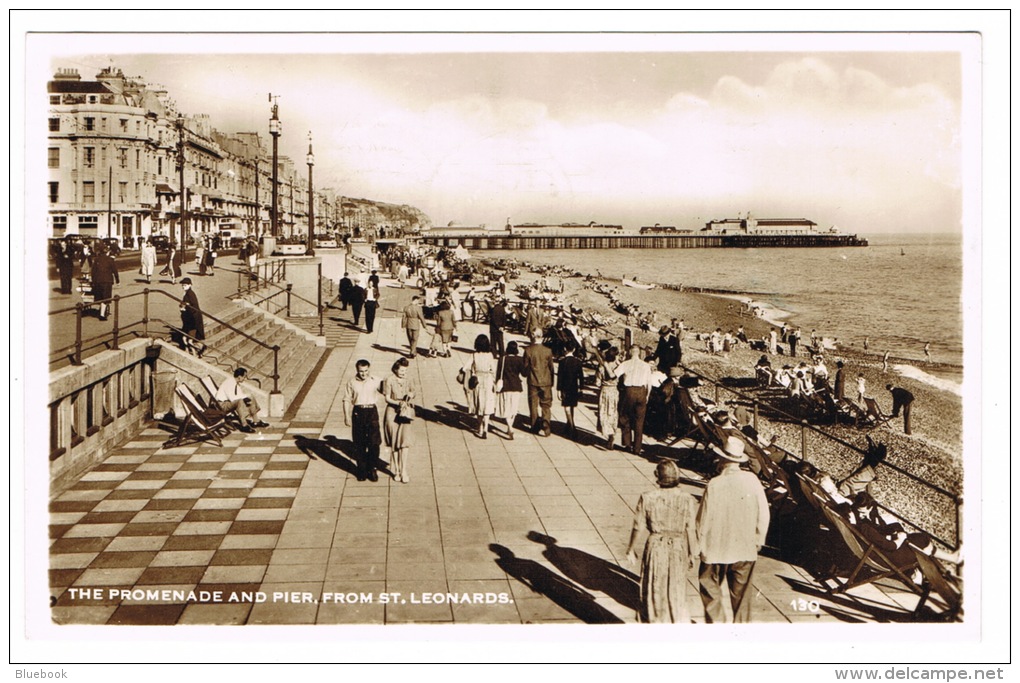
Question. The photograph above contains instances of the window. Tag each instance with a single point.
(90, 123)
(93, 99)
(122, 156)
(123, 125)
(138, 192)
(122, 192)
(90, 222)
(54, 157)
(103, 122)
(59, 221)
(54, 192)
(90, 157)
(88, 192)
(138, 159)
(55, 125)
(159, 165)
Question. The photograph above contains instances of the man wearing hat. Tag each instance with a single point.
(192, 321)
(667, 352)
(733, 521)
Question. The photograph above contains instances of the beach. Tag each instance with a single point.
(932, 453)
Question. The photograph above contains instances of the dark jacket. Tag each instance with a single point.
(191, 316)
(104, 270)
(538, 362)
(513, 371)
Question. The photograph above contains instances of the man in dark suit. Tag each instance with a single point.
(104, 274)
(346, 285)
(497, 321)
(357, 298)
(538, 364)
(667, 352)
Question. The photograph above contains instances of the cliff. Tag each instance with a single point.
(367, 213)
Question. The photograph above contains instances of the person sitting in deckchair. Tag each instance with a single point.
(888, 535)
(231, 397)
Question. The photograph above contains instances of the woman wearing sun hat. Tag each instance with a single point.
(668, 514)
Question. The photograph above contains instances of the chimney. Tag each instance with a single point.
(67, 75)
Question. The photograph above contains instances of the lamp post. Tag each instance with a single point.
(310, 251)
(275, 129)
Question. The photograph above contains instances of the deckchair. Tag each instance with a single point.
(870, 557)
(696, 417)
(209, 384)
(874, 412)
(937, 581)
(772, 476)
(212, 388)
(207, 422)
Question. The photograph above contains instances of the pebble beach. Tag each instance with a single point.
(932, 453)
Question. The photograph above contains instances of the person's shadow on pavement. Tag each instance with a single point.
(563, 592)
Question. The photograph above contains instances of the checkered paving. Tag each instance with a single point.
(190, 518)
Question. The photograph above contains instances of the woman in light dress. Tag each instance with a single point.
(668, 514)
(609, 394)
(398, 390)
(148, 258)
(481, 399)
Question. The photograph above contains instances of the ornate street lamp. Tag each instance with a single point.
(275, 129)
(310, 251)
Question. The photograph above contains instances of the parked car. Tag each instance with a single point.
(112, 245)
(161, 242)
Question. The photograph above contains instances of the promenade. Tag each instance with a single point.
(534, 530)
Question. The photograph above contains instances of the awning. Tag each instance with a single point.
(163, 188)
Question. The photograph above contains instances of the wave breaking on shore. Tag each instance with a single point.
(921, 376)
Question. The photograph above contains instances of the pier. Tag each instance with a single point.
(501, 240)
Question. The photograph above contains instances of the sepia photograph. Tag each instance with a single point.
(509, 333)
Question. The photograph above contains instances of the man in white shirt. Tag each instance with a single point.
(638, 379)
(361, 414)
(231, 397)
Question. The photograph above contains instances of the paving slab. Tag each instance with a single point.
(259, 514)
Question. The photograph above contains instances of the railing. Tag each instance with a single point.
(139, 328)
(272, 271)
(287, 290)
(808, 430)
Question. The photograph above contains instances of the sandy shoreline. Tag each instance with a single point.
(932, 453)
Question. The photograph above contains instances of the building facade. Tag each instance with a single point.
(117, 147)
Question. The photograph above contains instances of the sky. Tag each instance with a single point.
(868, 138)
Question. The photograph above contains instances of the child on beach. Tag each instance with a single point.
(860, 388)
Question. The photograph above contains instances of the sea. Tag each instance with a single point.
(898, 293)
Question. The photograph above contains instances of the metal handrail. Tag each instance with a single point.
(288, 290)
(114, 334)
(805, 427)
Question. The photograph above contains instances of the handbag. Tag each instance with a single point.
(405, 412)
(461, 376)
(473, 382)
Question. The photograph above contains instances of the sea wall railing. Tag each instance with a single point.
(946, 523)
(142, 327)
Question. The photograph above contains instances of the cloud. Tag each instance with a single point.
(844, 144)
